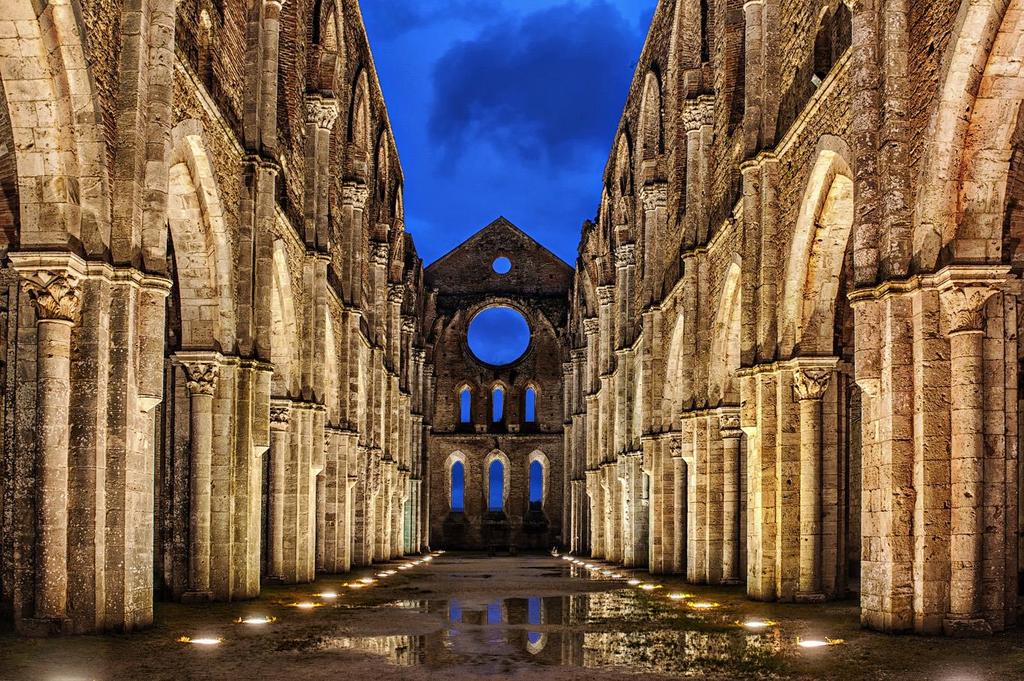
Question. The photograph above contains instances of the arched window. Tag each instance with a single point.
(536, 485)
(496, 486)
(465, 405)
(530, 406)
(835, 33)
(458, 498)
(535, 616)
(498, 404)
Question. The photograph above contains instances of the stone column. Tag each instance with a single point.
(58, 302)
(280, 450)
(321, 113)
(654, 198)
(729, 424)
(201, 373)
(269, 71)
(679, 514)
(810, 384)
(753, 88)
(354, 195)
(964, 306)
(625, 274)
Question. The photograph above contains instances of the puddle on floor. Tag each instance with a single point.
(602, 629)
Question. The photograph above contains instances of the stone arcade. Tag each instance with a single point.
(787, 356)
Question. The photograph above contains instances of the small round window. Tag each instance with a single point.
(499, 336)
(502, 265)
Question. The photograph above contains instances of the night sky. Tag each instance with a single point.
(504, 107)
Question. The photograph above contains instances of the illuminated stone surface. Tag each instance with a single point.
(474, 617)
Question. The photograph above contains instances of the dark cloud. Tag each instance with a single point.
(391, 18)
(544, 87)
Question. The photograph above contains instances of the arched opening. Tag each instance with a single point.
(835, 33)
(498, 405)
(530, 406)
(536, 485)
(496, 487)
(457, 499)
(535, 640)
(466, 406)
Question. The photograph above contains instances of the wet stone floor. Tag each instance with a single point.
(466, 617)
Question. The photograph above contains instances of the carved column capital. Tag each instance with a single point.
(354, 194)
(321, 111)
(625, 256)
(56, 293)
(280, 415)
(675, 447)
(964, 305)
(379, 252)
(654, 196)
(396, 294)
(698, 113)
(606, 294)
(591, 326)
(409, 327)
(729, 424)
(201, 377)
(811, 383)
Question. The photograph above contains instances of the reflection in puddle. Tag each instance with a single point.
(603, 629)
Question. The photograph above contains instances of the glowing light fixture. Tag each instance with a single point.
(703, 605)
(679, 596)
(817, 643)
(633, 582)
(757, 625)
(206, 641)
(256, 620)
(367, 580)
(306, 605)
(329, 595)
(650, 587)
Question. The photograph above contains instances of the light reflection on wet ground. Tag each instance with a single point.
(536, 618)
(592, 630)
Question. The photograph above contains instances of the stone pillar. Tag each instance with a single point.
(810, 382)
(354, 195)
(654, 198)
(280, 451)
(729, 424)
(679, 510)
(321, 113)
(625, 273)
(753, 86)
(201, 373)
(964, 306)
(57, 296)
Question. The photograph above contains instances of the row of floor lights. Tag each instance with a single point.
(750, 624)
(361, 583)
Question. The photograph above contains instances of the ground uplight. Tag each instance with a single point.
(757, 625)
(201, 641)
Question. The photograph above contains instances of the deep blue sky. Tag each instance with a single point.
(504, 107)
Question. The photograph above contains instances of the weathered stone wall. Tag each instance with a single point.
(214, 313)
(461, 284)
(795, 379)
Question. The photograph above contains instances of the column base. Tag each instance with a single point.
(809, 597)
(192, 597)
(966, 627)
(41, 627)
